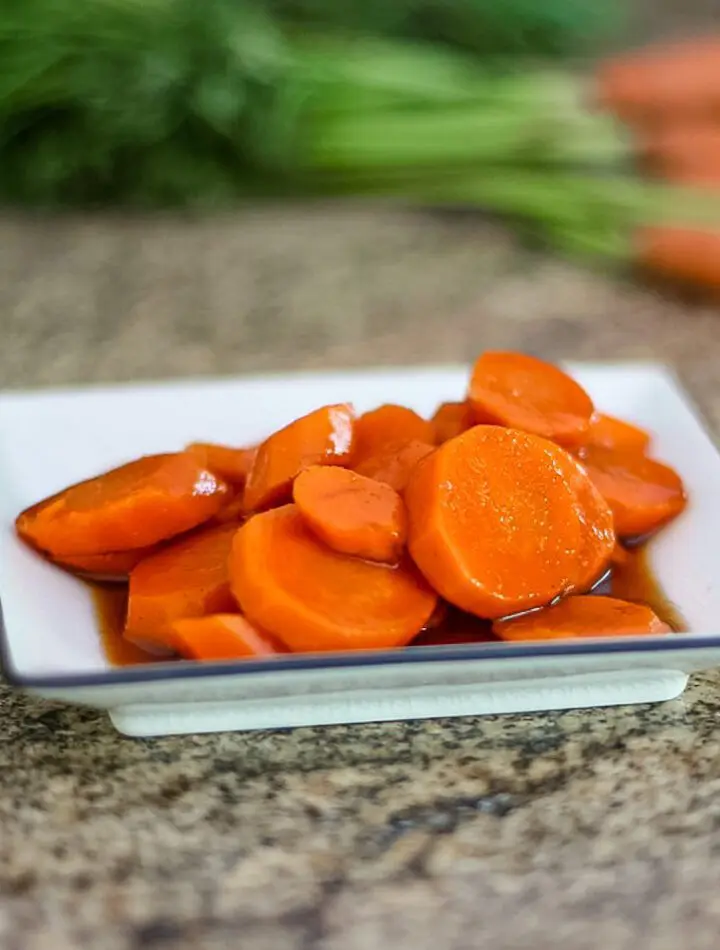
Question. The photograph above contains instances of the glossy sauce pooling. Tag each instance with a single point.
(632, 580)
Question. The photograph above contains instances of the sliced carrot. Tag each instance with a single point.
(676, 80)
(133, 506)
(114, 566)
(315, 599)
(501, 521)
(221, 637)
(608, 432)
(388, 425)
(642, 493)
(234, 511)
(620, 555)
(590, 616)
(352, 514)
(189, 578)
(323, 437)
(451, 419)
(522, 392)
(232, 465)
(394, 464)
(685, 256)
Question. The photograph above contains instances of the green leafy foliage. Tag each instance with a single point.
(489, 27)
(202, 102)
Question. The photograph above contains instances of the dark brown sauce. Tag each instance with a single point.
(632, 580)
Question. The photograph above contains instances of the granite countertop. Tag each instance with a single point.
(576, 831)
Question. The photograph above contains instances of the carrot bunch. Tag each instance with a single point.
(668, 96)
(496, 518)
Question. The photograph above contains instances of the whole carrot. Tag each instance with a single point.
(684, 153)
(679, 79)
(688, 256)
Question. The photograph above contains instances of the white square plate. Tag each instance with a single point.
(50, 642)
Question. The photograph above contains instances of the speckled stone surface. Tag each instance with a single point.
(572, 831)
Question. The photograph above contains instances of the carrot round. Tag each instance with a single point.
(451, 419)
(352, 514)
(395, 463)
(314, 599)
(589, 616)
(522, 392)
(388, 425)
(114, 566)
(189, 578)
(233, 511)
(608, 432)
(323, 437)
(232, 465)
(642, 493)
(502, 521)
(136, 505)
(670, 81)
(220, 637)
(686, 256)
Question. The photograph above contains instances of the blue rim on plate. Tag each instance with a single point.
(150, 672)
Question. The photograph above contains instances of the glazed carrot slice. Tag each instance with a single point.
(642, 493)
(590, 616)
(501, 521)
(189, 578)
(522, 392)
(394, 464)
(352, 514)
(620, 555)
(608, 432)
(323, 437)
(220, 637)
(114, 566)
(389, 425)
(451, 419)
(233, 511)
(133, 506)
(315, 599)
(232, 465)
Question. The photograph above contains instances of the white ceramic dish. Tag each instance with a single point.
(50, 642)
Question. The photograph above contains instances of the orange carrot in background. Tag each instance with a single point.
(522, 392)
(676, 80)
(394, 464)
(352, 514)
(608, 432)
(501, 521)
(315, 599)
(451, 419)
(232, 465)
(323, 437)
(189, 578)
(686, 256)
(133, 506)
(592, 616)
(685, 151)
(642, 493)
(387, 426)
(221, 637)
